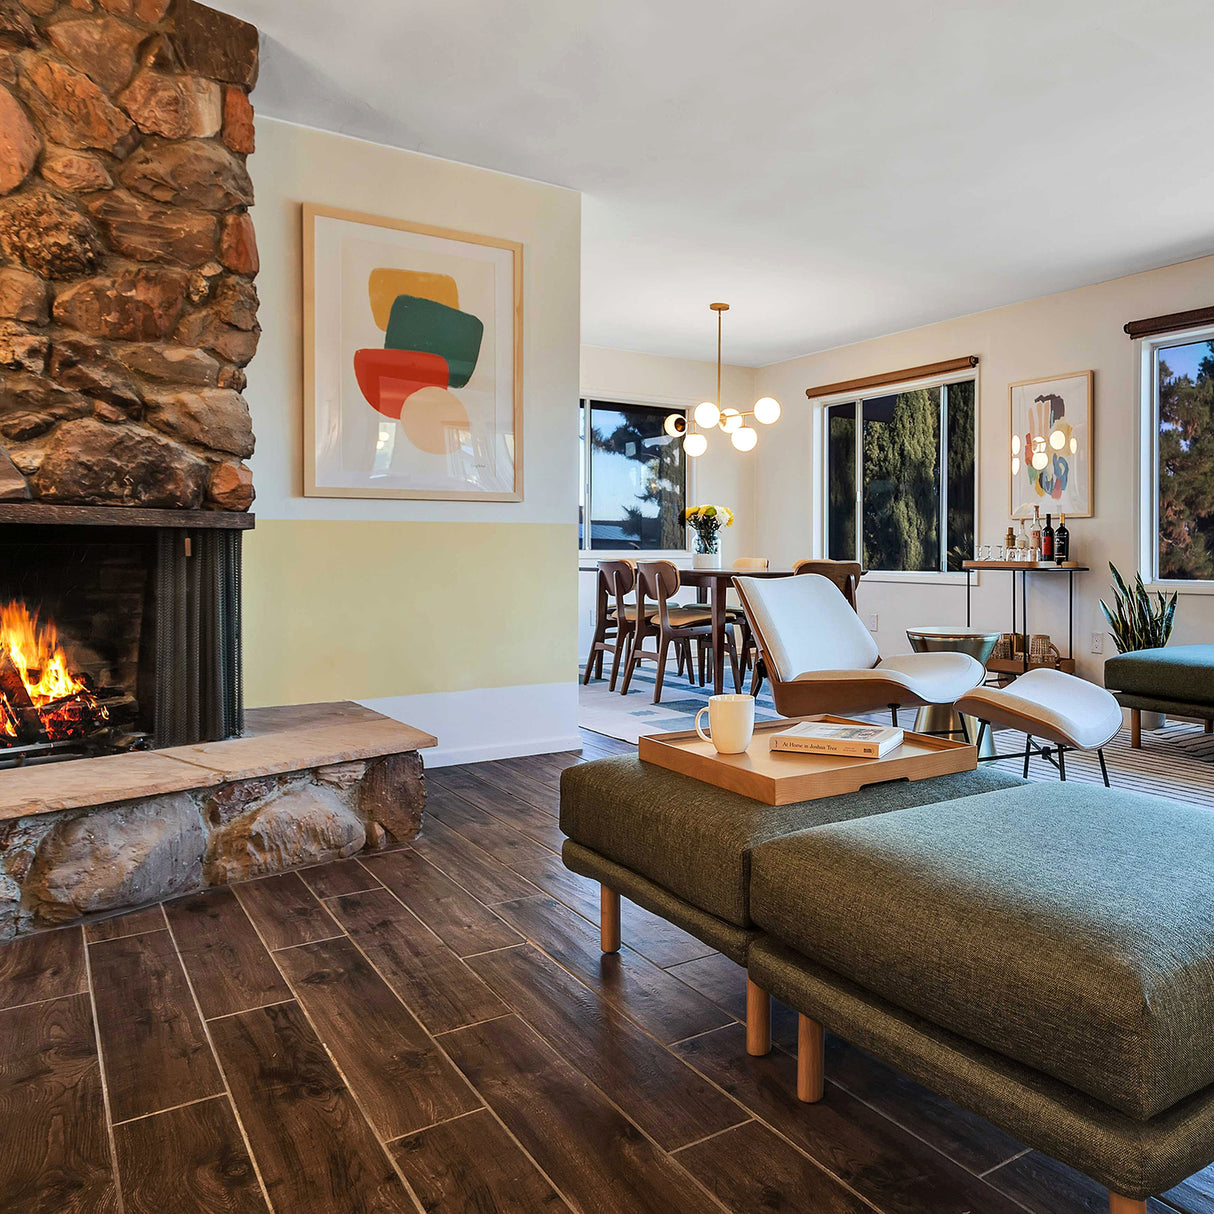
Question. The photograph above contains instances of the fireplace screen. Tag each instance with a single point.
(117, 638)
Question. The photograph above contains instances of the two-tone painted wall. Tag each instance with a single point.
(458, 617)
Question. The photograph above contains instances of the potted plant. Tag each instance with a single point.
(1140, 621)
(707, 522)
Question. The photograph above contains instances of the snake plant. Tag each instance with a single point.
(1140, 622)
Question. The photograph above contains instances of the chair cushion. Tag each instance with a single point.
(1050, 705)
(937, 678)
(808, 626)
(695, 839)
(1065, 926)
(1179, 672)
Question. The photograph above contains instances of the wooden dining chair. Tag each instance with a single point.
(615, 619)
(845, 574)
(668, 625)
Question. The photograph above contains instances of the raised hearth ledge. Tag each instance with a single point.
(276, 740)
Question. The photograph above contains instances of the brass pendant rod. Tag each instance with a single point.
(719, 314)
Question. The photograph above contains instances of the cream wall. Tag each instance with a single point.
(721, 475)
(1072, 331)
(427, 610)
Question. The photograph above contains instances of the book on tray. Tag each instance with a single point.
(829, 738)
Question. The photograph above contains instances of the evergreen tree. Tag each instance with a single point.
(1186, 471)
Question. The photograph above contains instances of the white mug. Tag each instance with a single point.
(732, 722)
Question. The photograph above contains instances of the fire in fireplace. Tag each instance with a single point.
(45, 702)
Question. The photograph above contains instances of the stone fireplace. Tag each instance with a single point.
(127, 316)
(128, 313)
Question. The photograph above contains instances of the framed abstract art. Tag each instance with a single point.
(413, 369)
(1051, 445)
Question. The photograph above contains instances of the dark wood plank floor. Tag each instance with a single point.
(433, 1029)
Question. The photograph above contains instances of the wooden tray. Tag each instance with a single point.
(782, 777)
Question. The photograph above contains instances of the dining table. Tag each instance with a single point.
(712, 586)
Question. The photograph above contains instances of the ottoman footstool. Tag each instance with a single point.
(1066, 712)
(1047, 963)
(681, 848)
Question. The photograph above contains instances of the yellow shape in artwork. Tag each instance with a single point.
(385, 285)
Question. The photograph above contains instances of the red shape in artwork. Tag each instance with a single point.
(389, 377)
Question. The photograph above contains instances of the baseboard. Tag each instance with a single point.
(450, 757)
(490, 722)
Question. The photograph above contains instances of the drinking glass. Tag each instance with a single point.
(984, 552)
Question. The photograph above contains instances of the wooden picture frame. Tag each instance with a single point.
(1051, 419)
(449, 447)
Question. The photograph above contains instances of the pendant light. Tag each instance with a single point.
(709, 415)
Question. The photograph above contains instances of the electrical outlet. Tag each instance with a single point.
(870, 622)
(1098, 642)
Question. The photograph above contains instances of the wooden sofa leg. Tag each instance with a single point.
(1125, 1205)
(1136, 728)
(758, 1020)
(811, 1060)
(609, 919)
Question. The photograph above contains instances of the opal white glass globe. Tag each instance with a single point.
(767, 410)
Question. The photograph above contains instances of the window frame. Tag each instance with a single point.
(1148, 457)
(585, 552)
(940, 577)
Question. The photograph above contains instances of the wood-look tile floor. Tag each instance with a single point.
(433, 1028)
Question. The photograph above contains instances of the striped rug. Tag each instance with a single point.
(1176, 761)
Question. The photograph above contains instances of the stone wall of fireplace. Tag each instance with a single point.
(127, 253)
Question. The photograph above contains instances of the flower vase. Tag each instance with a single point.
(705, 557)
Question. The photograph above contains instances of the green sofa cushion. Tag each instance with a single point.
(1179, 672)
(695, 839)
(1066, 926)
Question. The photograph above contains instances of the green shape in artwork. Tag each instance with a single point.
(434, 328)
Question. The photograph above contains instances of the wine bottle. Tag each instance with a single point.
(1047, 540)
(1062, 541)
(1035, 534)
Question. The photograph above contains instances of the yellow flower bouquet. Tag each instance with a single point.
(707, 522)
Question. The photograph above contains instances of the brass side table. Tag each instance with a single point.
(979, 643)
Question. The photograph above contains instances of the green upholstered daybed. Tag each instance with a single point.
(1040, 954)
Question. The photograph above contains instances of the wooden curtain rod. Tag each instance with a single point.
(895, 377)
(1174, 320)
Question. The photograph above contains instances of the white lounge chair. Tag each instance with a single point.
(821, 658)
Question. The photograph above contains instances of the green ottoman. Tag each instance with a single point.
(681, 848)
(1178, 679)
(1044, 958)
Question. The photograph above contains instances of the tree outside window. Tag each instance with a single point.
(634, 478)
(1184, 384)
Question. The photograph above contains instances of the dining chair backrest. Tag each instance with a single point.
(618, 580)
(845, 574)
(657, 580)
(751, 562)
(804, 625)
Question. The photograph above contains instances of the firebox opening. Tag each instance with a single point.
(116, 638)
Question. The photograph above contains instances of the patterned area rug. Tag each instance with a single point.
(1176, 761)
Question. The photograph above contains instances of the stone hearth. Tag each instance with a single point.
(127, 255)
(305, 785)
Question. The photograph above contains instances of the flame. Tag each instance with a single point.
(34, 649)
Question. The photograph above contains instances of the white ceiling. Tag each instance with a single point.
(834, 171)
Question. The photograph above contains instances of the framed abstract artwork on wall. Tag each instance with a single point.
(413, 368)
(1052, 445)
